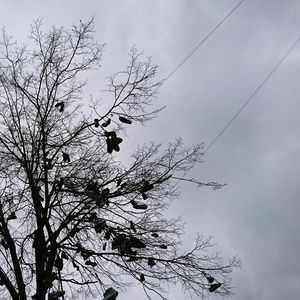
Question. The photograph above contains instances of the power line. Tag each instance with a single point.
(252, 95)
(210, 33)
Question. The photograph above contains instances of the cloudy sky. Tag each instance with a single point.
(257, 214)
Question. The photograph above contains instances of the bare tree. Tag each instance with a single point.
(73, 219)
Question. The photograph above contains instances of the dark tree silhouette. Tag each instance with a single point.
(74, 220)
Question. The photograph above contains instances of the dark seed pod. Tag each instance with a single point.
(119, 181)
(100, 226)
(93, 217)
(145, 197)
(132, 258)
(91, 263)
(210, 279)
(75, 266)
(114, 245)
(151, 262)
(96, 123)
(142, 277)
(84, 255)
(66, 157)
(124, 185)
(163, 246)
(214, 286)
(132, 227)
(106, 123)
(59, 264)
(61, 106)
(154, 234)
(60, 183)
(108, 233)
(104, 246)
(124, 120)
(12, 216)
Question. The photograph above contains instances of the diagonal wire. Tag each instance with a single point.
(252, 95)
(210, 33)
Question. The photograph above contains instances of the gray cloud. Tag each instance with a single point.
(257, 214)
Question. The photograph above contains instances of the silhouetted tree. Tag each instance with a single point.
(73, 219)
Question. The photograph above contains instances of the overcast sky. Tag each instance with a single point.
(257, 214)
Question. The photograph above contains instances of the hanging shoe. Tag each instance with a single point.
(138, 205)
(110, 294)
(124, 120)
(142, 278)
(100, 225)
(106, 123)
(96, 123)
(214, 286)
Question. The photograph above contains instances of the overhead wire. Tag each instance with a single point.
(209, 34)
(250, 98)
